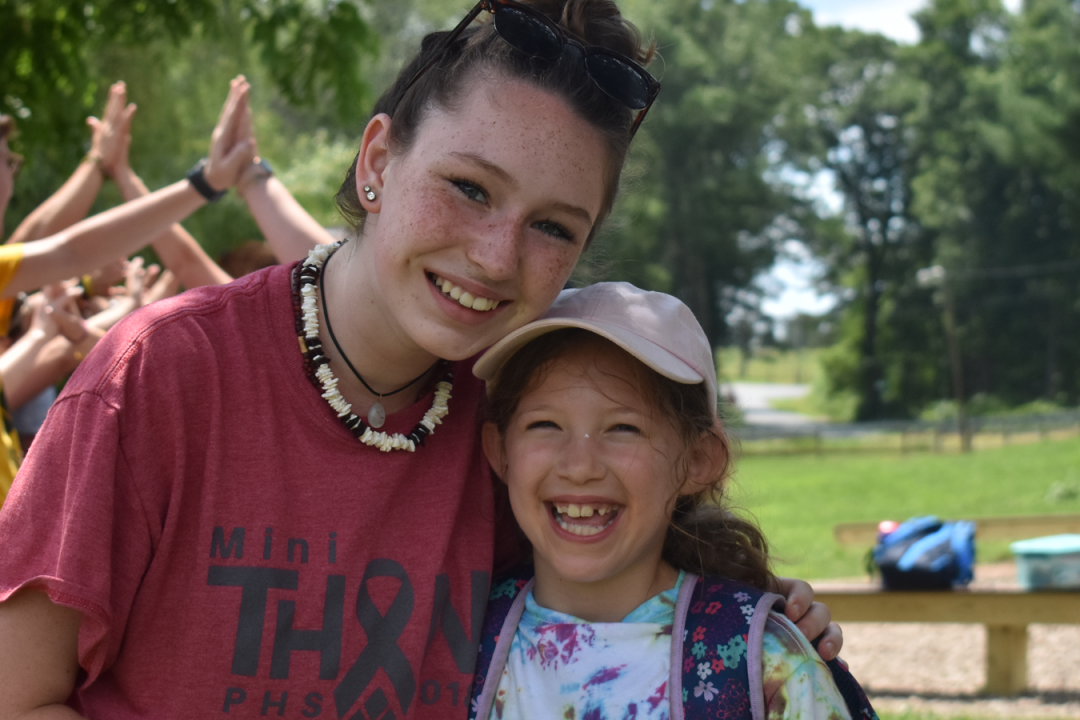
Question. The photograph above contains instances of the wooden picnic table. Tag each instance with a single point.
(1006, 612)
(1004, 608)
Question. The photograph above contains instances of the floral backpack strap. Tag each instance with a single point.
(721, 654)
(506, 592)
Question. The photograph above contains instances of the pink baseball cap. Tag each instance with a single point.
(656, 328)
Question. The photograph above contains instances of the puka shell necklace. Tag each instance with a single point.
(311, 346)
(376, 416)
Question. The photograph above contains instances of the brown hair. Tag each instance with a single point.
(247, 258)
(705, 536)
(7, 126)
(479, 52)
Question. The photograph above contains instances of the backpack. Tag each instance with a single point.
(925, 553)
(719, 609)
(709, 615)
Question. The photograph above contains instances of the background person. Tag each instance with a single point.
(91, 243)
(71, 202)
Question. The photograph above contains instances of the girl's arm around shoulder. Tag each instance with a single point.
(797, 682)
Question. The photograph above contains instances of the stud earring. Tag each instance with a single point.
(369, 193)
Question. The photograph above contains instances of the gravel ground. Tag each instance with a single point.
(938, 668)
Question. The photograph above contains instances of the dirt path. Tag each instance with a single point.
(754, 400)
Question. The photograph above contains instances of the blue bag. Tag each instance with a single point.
(926, 553)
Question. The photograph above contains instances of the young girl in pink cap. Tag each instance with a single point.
(603, 426)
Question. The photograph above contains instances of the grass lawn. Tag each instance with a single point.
(768, 365)
(798, 499)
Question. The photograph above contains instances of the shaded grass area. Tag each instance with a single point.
(798, 499)
(816, 404)
(768, 365)
(894, 440)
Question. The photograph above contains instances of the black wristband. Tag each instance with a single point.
(265, 169)
(198, 181)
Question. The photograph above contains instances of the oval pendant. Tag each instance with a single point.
(376, 416)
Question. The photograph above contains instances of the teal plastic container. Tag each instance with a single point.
(1048, 563)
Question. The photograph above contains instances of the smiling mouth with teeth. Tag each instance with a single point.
(584, 519)
(463, 298)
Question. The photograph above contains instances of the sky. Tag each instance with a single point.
(888, 17)
(790, 282)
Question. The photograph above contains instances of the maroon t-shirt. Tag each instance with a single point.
(234, 550)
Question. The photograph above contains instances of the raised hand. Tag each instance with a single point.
(134, 275)
(41, 319)
(59, 306)
(110, 138)
(166, 285)
(232, 145)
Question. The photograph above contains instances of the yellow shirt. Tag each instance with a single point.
(10, 450)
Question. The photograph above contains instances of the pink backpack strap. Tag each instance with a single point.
(506, 605)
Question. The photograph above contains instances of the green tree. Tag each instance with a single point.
(996, 188)
(715, 201)
(57, 58)
(875, 246)
(986, 109)
(314, 51)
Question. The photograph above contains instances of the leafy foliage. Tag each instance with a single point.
(984, 167)
(49, 47)
(306, 61)
(713, 206)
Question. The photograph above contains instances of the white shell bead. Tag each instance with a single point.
(372, 438)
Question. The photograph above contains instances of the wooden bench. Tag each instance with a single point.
(1004, 609)
(1006, 613)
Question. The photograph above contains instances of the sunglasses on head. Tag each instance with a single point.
(532, 33)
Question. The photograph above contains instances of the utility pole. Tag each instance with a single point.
(936, 276)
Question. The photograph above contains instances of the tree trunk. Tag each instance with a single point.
(870, 406)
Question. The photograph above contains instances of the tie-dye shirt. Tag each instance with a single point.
(560, 666)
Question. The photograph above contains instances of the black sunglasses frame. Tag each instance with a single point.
(494, 6)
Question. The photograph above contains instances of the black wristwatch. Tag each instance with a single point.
(264, 170)
(198, 181)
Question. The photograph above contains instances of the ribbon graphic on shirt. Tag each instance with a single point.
(382, 649)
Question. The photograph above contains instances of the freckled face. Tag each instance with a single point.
(482, 221)
(589, 465)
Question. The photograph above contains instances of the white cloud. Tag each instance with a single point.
(888, 17)
(789, 284)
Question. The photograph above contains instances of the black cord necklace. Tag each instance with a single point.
(376, 416)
